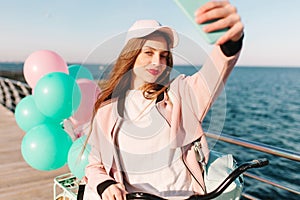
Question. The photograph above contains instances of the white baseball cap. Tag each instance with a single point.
(142, 28)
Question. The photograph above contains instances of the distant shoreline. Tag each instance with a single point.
(15, 75)
(14, 71)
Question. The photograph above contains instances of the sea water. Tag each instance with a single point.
(262, 104)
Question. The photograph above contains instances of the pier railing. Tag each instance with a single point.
(291, 155)
(11, 92)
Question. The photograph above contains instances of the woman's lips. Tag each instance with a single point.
(153, 71)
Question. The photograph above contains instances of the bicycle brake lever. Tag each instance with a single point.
(259, 163)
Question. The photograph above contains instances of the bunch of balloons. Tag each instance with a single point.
(59, 92)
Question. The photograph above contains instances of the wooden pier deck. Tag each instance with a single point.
(18, 180)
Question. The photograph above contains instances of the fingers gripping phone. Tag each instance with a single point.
(189, 7)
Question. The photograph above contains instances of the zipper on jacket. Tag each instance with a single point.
(199, 154)
(182, 157)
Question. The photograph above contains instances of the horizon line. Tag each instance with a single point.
(179, 64)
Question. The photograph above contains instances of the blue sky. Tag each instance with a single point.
(73, 28)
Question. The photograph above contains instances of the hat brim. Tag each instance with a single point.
(143, 32)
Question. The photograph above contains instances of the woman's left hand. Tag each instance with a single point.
(227, 17)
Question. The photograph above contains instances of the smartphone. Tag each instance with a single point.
(189, 7)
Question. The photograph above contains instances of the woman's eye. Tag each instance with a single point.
(149, 53)
(164, 55)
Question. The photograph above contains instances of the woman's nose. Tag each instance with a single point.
(156, 61)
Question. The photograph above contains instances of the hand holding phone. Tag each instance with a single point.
(189, 7)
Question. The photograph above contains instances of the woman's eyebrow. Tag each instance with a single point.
(154, 49)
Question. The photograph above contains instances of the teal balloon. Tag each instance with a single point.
(45, 147)
(27, 115)
(77, 158)
(57, 95)
(78, 72)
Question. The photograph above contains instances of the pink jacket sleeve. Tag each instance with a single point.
(195, 94)
(198, 92)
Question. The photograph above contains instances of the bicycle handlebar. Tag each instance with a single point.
(258, 163)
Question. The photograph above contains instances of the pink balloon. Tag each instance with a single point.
(89, 93)
(40, 63)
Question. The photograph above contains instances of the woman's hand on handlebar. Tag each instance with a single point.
(114, 192)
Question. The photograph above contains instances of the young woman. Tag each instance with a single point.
(144, 124)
